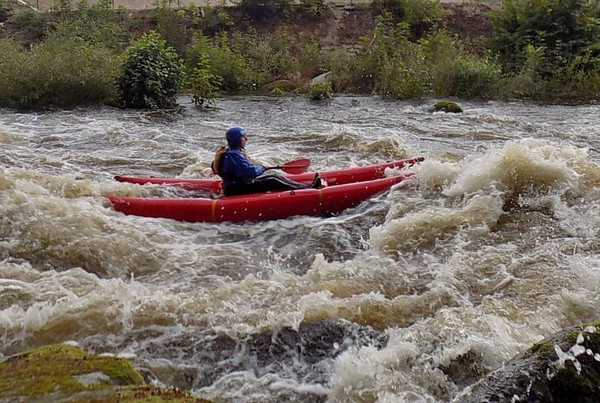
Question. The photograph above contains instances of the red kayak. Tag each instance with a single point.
(333, 177)
(258, 207)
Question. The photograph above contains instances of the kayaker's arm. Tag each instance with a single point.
(244, 168)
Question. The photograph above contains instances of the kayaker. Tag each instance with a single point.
(240, 176)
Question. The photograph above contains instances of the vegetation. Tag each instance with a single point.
(63, 71)
(60, 372)
(540, 49)
(5, 10)
(152, 74)
(320, 91)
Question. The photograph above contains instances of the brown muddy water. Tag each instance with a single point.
(490, 247)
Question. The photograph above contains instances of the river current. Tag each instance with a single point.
(411, 296)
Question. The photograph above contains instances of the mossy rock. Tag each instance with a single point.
(541, 375)
(62, 371)
(281, 86)
(448, 107)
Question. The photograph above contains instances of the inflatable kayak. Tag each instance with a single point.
(332, 177)
(257, 207)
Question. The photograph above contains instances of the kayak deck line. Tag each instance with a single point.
(333, 177)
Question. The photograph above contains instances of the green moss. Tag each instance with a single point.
(447, 106)
(541, 348)
(54, 368)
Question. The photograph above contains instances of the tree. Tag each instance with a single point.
(565, 31)
(152, 74)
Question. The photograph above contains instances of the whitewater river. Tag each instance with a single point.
(411, 296)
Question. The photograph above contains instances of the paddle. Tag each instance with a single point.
(293, 167)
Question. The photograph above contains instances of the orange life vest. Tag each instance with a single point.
(216, 164)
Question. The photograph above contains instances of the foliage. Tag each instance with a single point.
(566, 31)
(60, 72)
(223, 60)
(457, 72)
(152, 74)
(390, 64)
(341, 64)
(95, 24)
(420, 15)
(171, 26)
(473, 78)
(320, 91)
(264, 9)
(215, 20)
(5, 10)
(314, 8)
(202, 85)
(30, 25)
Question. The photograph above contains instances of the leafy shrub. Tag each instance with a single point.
(314, 8)
(340, 62)
(5, 10)
(320, 91)
(566, 30)
(203, 85)
(96, 24)
(473, 78)
(215, 20)
(152, 74)
(30, 25)
(390, 64)
(402, 81)
(60, 72)
(222, 60)
(171, 26)
(420, 15)
(457, 72)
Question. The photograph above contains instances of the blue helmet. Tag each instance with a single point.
(234, 136)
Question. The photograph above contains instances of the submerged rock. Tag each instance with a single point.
(306, 354)
(564, 367)
(61, 372)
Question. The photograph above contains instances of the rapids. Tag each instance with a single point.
(490, 247)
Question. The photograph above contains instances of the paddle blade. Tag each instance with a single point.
(295, 167)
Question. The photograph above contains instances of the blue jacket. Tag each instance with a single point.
(236, 169)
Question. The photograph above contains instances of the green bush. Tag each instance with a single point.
(420, 15)
(152, 74)
(390, 64)
(202, 85)
(566, 31)
(474, 78)
(314, 8)
(171, 26)
(223, 60)
(320, 91)
(458, 72)
(215, 20)
(96, 24)
(5, 10)
(399, 80)
(341, 64)
(60, 72)
(29, 25)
